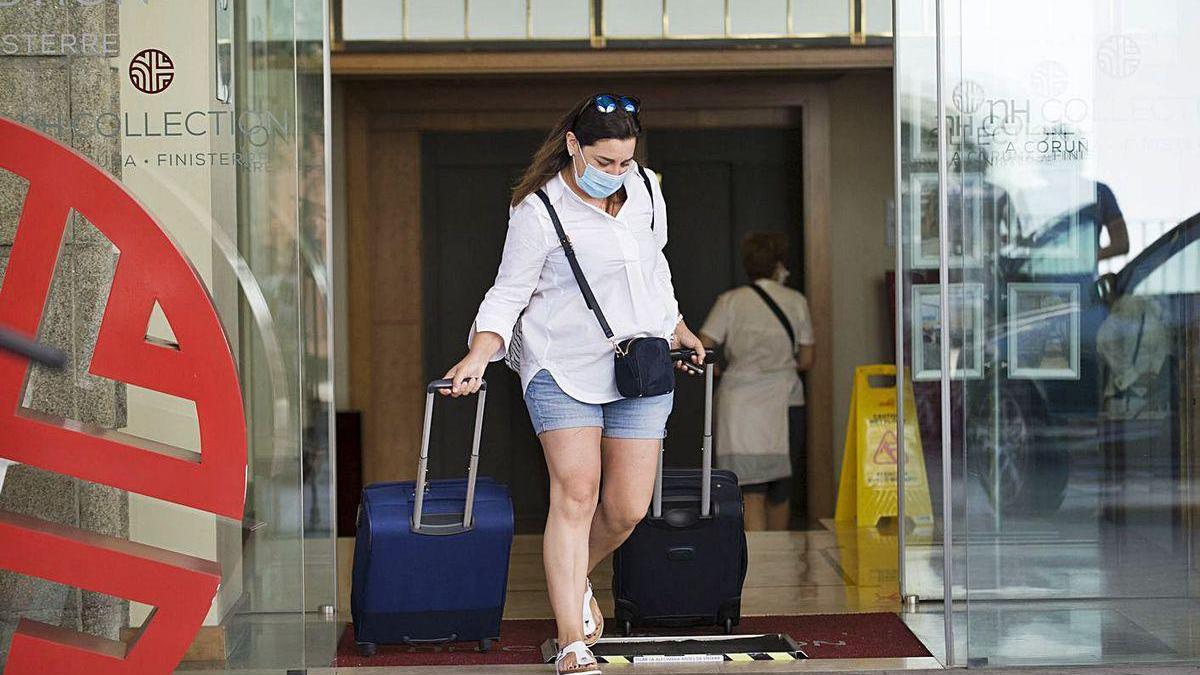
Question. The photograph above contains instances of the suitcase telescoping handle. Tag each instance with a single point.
(418, 525)
(706, 448)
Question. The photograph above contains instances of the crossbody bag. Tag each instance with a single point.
(642, 365)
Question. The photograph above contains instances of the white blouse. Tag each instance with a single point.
(622, 259)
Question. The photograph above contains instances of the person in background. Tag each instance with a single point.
(767, 336)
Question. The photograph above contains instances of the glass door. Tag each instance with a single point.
(163, 228)
(929, 285)
(1056, 202)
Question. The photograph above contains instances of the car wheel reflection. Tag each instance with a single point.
(1020, 472)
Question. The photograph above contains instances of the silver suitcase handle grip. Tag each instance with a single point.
(706, 447)
(423, 467)
(447, 384)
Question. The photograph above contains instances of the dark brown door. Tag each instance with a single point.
(718, 184)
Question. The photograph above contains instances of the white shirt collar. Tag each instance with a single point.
(555, 188)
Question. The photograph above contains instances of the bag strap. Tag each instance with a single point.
(569, 250)
(787, 325)
(646, 180)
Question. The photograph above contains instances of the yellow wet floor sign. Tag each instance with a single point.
(867, 491)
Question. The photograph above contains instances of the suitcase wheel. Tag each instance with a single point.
(485, 644)
(366, 649)
(627, 627)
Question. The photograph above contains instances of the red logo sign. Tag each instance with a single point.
(151, 269)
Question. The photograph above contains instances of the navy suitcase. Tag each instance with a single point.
(685, 563)
(431, 557)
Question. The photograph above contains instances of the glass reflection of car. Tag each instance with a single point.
(1023, 458)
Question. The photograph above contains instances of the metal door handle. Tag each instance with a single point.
(223, 50)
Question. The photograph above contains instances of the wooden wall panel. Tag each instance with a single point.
(399, 402)
(394, 240)
(541, 120)
(358, 267)
(606, 61)
(715, 94)
(818, 250)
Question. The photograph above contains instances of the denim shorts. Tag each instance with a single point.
(551, 408)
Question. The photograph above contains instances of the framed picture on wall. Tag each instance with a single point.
(965, 226)
(1048, 221)
(965, 326)
(920, 119)
(1043, 331)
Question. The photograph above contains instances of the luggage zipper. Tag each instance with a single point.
(629, 348)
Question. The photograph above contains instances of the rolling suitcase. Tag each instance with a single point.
(431, 557)
(685, 563)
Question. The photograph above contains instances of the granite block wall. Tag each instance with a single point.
(55, 84)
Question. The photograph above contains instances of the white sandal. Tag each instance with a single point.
(576, 659)
(593, 618)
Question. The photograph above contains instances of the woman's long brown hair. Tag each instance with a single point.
(589, 125)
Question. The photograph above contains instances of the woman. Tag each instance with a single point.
(617, 228)
(767, 336)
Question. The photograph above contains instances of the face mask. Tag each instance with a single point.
(595, 182)
(781, 274)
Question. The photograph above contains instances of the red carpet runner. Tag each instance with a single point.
(821, 636)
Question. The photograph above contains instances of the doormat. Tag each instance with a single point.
(820, 636)
(689, 649)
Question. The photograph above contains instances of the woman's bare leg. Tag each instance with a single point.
(629, 468)
(573, 460)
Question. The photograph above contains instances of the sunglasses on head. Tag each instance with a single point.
(607, 103)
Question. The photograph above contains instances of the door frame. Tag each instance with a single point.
(384, 121)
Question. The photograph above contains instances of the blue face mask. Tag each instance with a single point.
(595, 182)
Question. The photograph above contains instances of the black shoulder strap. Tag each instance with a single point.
(646, 180)
(569, 250)
(787, 325)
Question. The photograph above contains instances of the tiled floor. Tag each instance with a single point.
(836, 570)
(820, 571)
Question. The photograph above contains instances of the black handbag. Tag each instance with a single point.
(642, 364)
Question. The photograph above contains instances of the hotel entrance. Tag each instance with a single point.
(429, 165)
(239, 240)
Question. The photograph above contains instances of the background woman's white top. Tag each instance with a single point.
(761, 380)
(624, 264)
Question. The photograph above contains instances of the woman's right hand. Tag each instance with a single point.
(468, 373)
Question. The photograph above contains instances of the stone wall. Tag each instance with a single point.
(45, 83)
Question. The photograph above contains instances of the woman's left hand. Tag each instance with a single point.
(688, 340)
